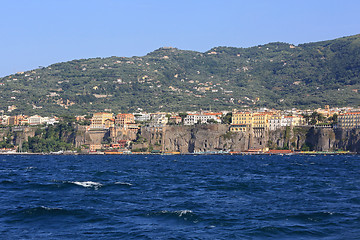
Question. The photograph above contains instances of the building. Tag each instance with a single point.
(158, 119)
(35, 120)
(275, 122)
(241, 121)
(202, 118)
(95, 147)
(239, 128)
(123, 118)
(99, 120)
(4, 119)
(142, 117)
(278, 121)
(49, 120)
(132, 127)
(14, 120)
(175, 120)
(241, 118)
(349, 120)
(260, 120)
(110, 122)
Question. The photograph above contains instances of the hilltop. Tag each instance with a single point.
(278, 75)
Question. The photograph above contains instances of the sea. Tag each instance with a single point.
(179, 197)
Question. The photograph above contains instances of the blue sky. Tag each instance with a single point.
(42, 32)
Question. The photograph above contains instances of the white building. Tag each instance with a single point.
(142, 117)
(49, 120)
(35, 120)
(4, 120)
(192, 119)
(277, 121)
(158, 119)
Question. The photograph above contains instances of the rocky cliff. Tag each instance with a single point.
(212, 137)
(215, 137)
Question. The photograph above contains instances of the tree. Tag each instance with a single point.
(333, 118)
(227, 118)
(306, 117)
(182, 115)
(212, 121)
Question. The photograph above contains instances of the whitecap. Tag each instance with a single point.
(88, 184)
(183, 212)
(49, 209)
(123, 183)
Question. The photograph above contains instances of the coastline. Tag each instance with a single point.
(204, 153)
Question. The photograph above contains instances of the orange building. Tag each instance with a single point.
(124, 118)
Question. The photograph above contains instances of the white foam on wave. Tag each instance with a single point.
(49, 209)
(123, 183)
(183, 212)
(88, 184)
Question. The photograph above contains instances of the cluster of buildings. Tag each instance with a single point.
(17, 120)
(106, 120)
(261, 121)
(241, 121)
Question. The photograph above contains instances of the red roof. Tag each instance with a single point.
(350, 113)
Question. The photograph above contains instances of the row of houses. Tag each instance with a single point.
(105, 120)
(27, 120)
(242, 121)
(245, 121)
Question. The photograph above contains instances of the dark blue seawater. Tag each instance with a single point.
(179, 197)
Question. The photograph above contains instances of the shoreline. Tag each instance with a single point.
(195, 154)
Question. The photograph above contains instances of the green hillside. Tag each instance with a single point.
(277, 75)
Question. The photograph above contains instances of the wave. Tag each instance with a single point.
(123, 183)
(184, 215)
(88, 184)
(56, 185)
(44, 212)
(30, 168)
(5, 182)
(315, 216)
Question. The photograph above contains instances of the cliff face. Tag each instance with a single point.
(322, 139)
(22, 134)
(199, 138)
(347, 140)
(84, 137)
(212, 137)
(215, 137)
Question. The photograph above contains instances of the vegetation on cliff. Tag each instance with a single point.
(53, 138)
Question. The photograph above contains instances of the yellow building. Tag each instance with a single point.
(261, 120)
(244, 121)
(349, 120)
(99, 120)
(241, 118)
(241, 121)
(239, 128)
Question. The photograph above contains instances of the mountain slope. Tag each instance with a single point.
(273, 75)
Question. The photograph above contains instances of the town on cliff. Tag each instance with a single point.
(323, 130)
